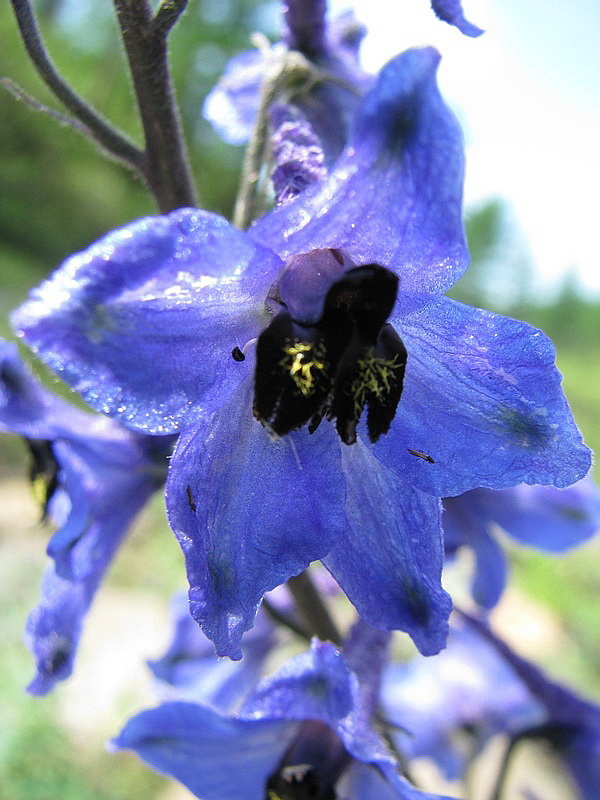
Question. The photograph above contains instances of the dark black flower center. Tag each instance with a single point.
(43, 472)
(311, 766)
(351, 359)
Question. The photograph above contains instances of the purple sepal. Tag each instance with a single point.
(142, 324)
(214, 756)
(391, 575)
(189, 669)
(550, 519)
(483, 398)
(258, 524)
(450, 11)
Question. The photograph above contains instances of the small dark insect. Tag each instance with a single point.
(190, 498)
(237, 354)
(419, 454)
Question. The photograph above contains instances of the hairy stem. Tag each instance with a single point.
(165, 164)
(94, 125)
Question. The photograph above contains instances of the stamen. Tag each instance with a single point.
(304, 370)
(295, 452)
(239, 354)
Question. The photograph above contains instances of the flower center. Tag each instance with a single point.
(43, 472)
(332, 355)
(310, 767)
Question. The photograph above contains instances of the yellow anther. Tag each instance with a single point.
(374, 378)
(305, 363)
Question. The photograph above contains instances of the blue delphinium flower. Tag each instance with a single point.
(95, 476)
(480, 687)
(465, 689)
(327, 101)
(304, 732)
(549, 519)
(569, 724)
(155, 324)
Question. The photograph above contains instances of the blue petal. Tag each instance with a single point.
(142, 323)
(389, 561)
(394, 197)
(364, 782)
(465, 523)
(317, 684)
(483, 398)
(550, 519)
(215, 757)
(250, 511)
(451, 11)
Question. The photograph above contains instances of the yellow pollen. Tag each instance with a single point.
(374, 378)
(305, 363)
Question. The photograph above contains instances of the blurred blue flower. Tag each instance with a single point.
(544, 517)
(451, 11)
(569, 724)
(479, 687)
(93, 477)
(465, 692)
(303, 732)
(326, 101)
(144, 325)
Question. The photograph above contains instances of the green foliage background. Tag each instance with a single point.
(58, 194)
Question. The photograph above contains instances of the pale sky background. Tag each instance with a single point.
(527, 93)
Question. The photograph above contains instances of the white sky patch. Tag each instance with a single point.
(527, 93)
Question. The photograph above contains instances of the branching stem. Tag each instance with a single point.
(96, 127)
